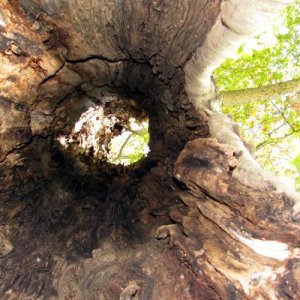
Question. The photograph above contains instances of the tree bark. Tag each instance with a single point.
(75, 228)
(263, 93)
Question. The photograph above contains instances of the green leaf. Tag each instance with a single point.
(273, 125)
(296, 163)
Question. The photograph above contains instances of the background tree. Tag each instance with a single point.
(260, 89)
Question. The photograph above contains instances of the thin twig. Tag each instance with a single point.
(123, 146)
(282, 114)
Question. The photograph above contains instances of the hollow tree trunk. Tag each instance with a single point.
(148, 231)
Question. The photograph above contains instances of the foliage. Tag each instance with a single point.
(131, 145)
(296, 163)
(272, 125)
(259, 65)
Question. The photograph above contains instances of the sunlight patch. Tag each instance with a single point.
(131, 145)
(101, 135)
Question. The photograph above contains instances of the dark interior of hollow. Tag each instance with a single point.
(57, 211)
(59, 217)
(97, 231)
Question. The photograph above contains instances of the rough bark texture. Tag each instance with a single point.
(99, 232)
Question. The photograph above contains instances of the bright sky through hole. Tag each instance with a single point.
(134, 142)
(126, 148)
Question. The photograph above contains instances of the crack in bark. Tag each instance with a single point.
(96, 57)
(54, 74)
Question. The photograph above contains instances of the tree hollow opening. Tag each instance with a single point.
(113, 131)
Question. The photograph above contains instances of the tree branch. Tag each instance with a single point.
(269, 141)
(282, 114)
(123, 146)
(266, 92)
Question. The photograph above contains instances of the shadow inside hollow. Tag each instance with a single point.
(69, 213)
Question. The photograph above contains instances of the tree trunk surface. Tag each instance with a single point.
(176, 225)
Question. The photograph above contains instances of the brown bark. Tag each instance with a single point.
(222, 212)
(90, 233)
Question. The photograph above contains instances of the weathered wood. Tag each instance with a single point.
(243, 237)
(68, 235)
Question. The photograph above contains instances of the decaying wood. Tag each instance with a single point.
(102, 233)
(232, 232)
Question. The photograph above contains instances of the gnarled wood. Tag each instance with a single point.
(71, 234)
(232, 232)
